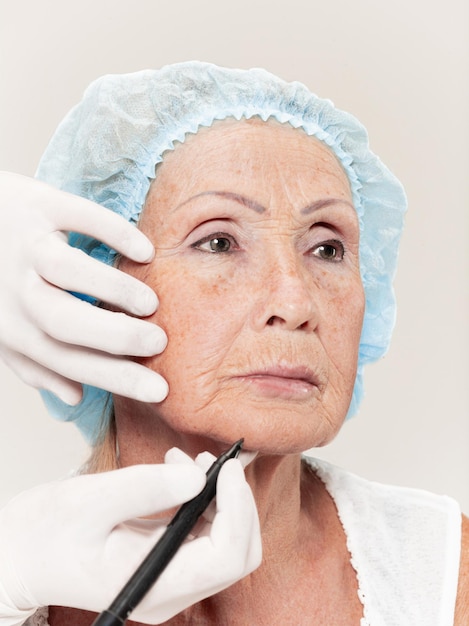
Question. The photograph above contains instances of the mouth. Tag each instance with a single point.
(283, 381)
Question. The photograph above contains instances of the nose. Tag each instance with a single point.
(286, 297)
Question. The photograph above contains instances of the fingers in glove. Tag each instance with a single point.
(208, 564)
(68, 212)
(176, 455)
(73, 270)
(70, 320)
(40, 377)
(236, 503)
(114, 374)
(138, 491)
(79, 536)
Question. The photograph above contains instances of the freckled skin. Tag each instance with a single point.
(269, 300)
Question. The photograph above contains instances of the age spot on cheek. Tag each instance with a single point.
(218, 287)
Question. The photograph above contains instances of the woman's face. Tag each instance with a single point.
(257, 273)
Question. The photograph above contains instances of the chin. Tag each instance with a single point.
(274, 432)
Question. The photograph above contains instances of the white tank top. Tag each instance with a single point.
(405, 548)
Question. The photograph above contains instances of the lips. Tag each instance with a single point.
(285, 381)
(290, 373)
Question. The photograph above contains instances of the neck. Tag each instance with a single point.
(290, 502)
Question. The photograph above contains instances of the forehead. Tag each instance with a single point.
(250, 152)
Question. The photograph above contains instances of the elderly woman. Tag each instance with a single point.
(276, 234)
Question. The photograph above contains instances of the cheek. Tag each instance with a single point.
(200, 316)
(345, 320)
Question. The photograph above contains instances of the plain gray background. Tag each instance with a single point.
(402, 68)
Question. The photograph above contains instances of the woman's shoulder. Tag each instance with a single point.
(403, 542)
(461, 617)
(347, 487)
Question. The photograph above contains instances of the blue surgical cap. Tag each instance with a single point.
(108, 146)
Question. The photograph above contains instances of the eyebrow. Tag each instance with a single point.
(251, 204)
(258, 208)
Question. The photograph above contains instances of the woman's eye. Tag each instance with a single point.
(330, 250)
(215, 243)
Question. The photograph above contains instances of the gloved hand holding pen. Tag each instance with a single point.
(75, 542)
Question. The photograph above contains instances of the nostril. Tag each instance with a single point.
(276, 319)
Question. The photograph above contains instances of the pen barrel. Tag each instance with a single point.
(164, 550)
(166, 547)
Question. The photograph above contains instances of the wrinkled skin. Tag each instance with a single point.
(257, 271)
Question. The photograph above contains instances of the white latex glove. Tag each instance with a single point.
(50, 338)
(69, 543)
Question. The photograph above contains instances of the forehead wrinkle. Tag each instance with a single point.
(248, 202)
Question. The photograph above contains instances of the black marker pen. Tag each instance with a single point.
(158, 558)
